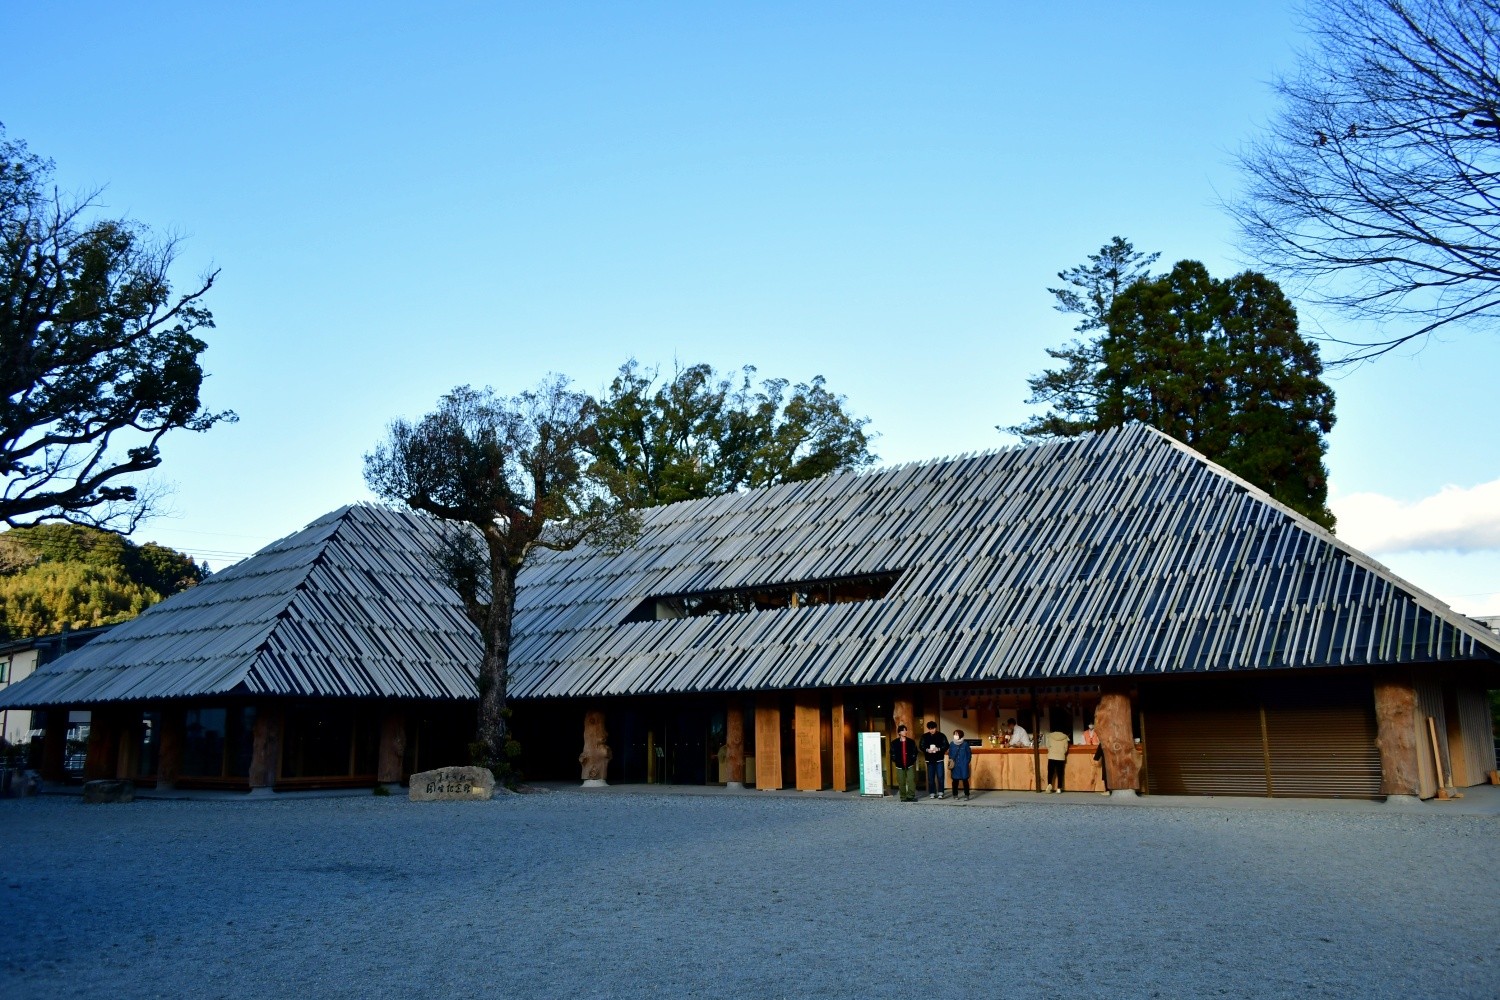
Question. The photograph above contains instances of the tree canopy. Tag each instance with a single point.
(701, 434)
(54, 576)
(1377, 186)
(98, 356)
(508, 476)
(1220, 365)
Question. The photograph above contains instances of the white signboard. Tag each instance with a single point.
(871, 775)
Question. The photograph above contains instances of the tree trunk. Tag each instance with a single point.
(1112, 723)
(494, 672)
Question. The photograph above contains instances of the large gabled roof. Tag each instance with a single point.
(349, 606)
(1123, 553)
(1119, 553)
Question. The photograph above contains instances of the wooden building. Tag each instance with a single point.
(1219, 642)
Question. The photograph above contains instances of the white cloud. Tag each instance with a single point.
(1455, 519)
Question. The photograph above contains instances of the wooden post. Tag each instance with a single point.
(392, 758)
(1396, 736)
(103, 759)
(1112, 723)
(734, 742)
(805, 733)
(596, 751)
(767, 742)
(839, 747)
(169, 750)
(265, 751)
(55, 744)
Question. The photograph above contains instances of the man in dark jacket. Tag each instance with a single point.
(904, 757)
(934, 748)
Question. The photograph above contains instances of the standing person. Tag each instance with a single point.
(1019, 737)
(934, 748)
(904, 757)
(959, 754)
(1057, 760)
(1090, 738)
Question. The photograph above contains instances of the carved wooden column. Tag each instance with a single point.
(265, 752)
(1112, 723)
(392, 759)
(767, 742)
(805, 737)
(734, 743)
(103, 759)
(169, 750)
(1396, 734)
(596, 753)
(55, 745)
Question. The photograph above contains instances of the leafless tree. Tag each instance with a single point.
(1374, 190)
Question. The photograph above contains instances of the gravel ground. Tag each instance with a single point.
(580, 894)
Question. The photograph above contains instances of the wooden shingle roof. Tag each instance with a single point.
(1122, 553)
(1119, 553)
(349, 606)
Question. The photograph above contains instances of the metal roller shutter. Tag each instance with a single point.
(1302, 739)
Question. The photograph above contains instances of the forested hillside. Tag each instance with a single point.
(56, 575)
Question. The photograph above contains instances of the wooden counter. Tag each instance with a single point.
(1013, 770)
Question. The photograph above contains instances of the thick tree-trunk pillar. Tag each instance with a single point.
(169, 750)
(392, 758)
(767, 742)
(1396, 733)
(55, 745)
(1112, 723)
(596, 753)
(734, 744)
(265, 750)
(103, 759)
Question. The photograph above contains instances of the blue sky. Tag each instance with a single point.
(403, 198)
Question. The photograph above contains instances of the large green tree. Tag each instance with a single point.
(1219, 365)
(507, 476)
(700, 434)
(56, 576)
(98, 356)
(1087, 291)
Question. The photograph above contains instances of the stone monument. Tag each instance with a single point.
(452, 784)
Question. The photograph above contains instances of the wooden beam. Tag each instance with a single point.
(839, 746)
(392, 757)
(596, 754)
(805, 734)
(265, 750)
(734, 742)
(767, 742)
(169, 750)
(1396, 734)
(55, 744)
(103, 757)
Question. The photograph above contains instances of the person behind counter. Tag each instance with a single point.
(934, 748)
(959, 755)
(1057, 760)
(904, 757)
(1018, 736)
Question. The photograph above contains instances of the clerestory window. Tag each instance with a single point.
(741, 600)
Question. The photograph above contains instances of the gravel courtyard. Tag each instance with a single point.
(629, 894)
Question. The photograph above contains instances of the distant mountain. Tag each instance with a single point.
(64, 575)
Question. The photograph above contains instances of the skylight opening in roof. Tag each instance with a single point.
(742, 600)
